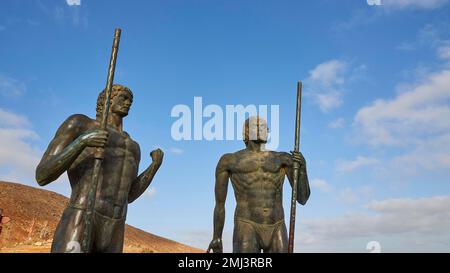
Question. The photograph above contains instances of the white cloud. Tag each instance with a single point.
(321, 185)
(325, 82)
(329, 101)
(431, 154)
(9, 119)
(10, 87)
(416, 121)
(423, 4)
(345, 166)
(328, 73)
(422, 112)
(338, 123)
(392, 218)
(73, 2)
(18, 156)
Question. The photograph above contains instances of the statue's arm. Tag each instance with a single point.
(221, 188)
(303, 190)
(142, 182)
(62, 150)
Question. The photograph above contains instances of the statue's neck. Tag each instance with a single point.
(255, 146)
(115, 121)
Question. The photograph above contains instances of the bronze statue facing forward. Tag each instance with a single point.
(257, 177)
(72, 150)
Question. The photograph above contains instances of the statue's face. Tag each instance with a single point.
(121, 103)
(258, 130)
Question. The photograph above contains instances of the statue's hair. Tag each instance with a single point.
(253, 121)
(116, 88)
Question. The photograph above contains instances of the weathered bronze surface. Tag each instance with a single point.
(257, 178)
(73, 150)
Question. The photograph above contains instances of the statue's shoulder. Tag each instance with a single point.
(281, 154)
(79, 119)
(227, 158)
(284, 157)
(75, 124)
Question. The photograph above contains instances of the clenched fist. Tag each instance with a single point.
(157, 156)
(298, 158)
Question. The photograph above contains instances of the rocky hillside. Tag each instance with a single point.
(35, 213)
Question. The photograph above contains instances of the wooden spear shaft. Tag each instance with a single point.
(89, 225)
(296, 169)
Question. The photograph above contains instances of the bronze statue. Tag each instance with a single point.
(73, 150)
(257, 177)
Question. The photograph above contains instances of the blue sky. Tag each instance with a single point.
(375, 117)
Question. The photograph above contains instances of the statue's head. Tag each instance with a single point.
(121, 100)
(255, 129)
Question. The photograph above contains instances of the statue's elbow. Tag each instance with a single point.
(41, 179)
(303, 198)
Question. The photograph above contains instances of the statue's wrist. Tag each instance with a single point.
(157, 162)
(80, 143)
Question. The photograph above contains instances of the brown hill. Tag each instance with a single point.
(35, 213)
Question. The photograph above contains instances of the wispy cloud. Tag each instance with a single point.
(71, 11)
(434, 37)
(10, 87)
(345, 166)
(18, 156)
(354, 195)
(321, 185)
(374, 13)
(324, 83)
(443, 51)
(337, 123)
(424, 217)
(416, 121)
(423, 111)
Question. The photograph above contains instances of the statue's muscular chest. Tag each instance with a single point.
(120, 150)
(120, 146)
(251, 162)
(257, 171)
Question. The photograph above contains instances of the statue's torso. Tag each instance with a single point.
(257, 179)
(119, 169)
